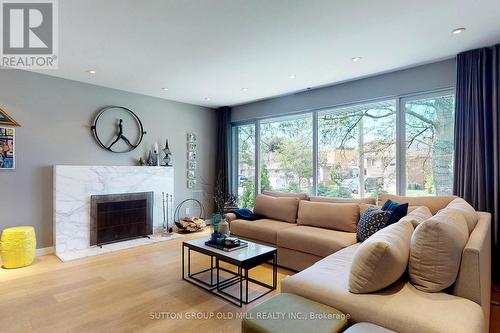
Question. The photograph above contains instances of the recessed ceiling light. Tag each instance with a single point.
(164, 89)
(458, 31)
(207, 99)
(356, 59)
(291, 77)
(91, 71)
(244, 89)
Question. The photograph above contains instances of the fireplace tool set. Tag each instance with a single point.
(168, 202)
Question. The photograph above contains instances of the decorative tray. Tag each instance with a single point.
(227, 249)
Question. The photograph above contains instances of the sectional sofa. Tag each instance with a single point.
(317, 237)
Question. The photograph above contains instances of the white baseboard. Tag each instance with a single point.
(45, 250)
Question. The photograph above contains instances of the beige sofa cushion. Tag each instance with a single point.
(300, 196)
(264, 230)
(417, 215)
(283, 209)
(317, 241)
(381, 259)
(371, 201)
(467, 211)
(336, 216)
(436, 250)
(433, 203)
(400, 307)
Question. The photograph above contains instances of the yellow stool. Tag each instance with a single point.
(17, 247)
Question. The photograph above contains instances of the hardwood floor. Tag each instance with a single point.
(120, 292)
(116, 292)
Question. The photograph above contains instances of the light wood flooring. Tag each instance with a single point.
(116, 292)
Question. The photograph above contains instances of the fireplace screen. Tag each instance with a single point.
(118, 217)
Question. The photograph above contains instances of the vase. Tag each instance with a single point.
(224, 228)
(216, 218)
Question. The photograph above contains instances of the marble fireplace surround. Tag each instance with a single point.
(73, 186)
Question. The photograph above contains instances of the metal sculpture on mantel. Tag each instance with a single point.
(167, 153)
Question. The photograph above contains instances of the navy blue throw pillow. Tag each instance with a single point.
(398, 210)
(372, 220)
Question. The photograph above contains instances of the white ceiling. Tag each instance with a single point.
(214, 48)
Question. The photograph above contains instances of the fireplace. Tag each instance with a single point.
(117, 217)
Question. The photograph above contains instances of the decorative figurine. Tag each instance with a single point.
(167, 153)
(142, 162)
(151, 159)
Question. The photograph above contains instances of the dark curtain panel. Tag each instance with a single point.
(223, 140)
(477, 136)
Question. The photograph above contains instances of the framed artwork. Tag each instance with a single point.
(192, 146)
(191, 183)
(7, 148)
(190, 174)
(192, 165)
(191, 155)
(7, 120)
(191, 137)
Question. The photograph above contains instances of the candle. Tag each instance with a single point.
(156, 147)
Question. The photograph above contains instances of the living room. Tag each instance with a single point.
(249, 166)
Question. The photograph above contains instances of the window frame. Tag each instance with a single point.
(399, 100)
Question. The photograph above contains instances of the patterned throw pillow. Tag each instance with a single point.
(372, 220)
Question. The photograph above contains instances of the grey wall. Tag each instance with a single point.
(409, 81)
(55, 116)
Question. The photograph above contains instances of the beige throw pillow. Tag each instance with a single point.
(371, 201)
(467, 211)
(283, 209)
(300, 196)
(336, 216)
(417, 215)
(436, 249)
(381, 259)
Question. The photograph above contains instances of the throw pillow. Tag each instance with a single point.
(283, 209)
(382, 259)
(371, 221)
(336, 216)
(467, 211)
(398, 210)
(436, 250)
(417, 215)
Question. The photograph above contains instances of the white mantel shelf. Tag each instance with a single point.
(73, 186)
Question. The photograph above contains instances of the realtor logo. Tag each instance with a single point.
(29, 34)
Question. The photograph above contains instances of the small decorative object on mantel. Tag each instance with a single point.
(7, 148)
(190, 224)
(121, 140)
(7, 120)
(191, 160)
(167, 153)
(151, 159)
(141, 161)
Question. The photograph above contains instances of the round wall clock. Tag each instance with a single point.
(118, 129)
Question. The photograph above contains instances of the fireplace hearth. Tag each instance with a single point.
(119, 217)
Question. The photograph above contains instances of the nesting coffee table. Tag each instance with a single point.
(243, 259)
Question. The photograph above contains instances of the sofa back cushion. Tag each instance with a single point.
(436, 249)
(382, 259)
(283, 209)
(417, 215)
(370, 201)
(300, 196)
(433, 203)
(467, 211)
(336, 216)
